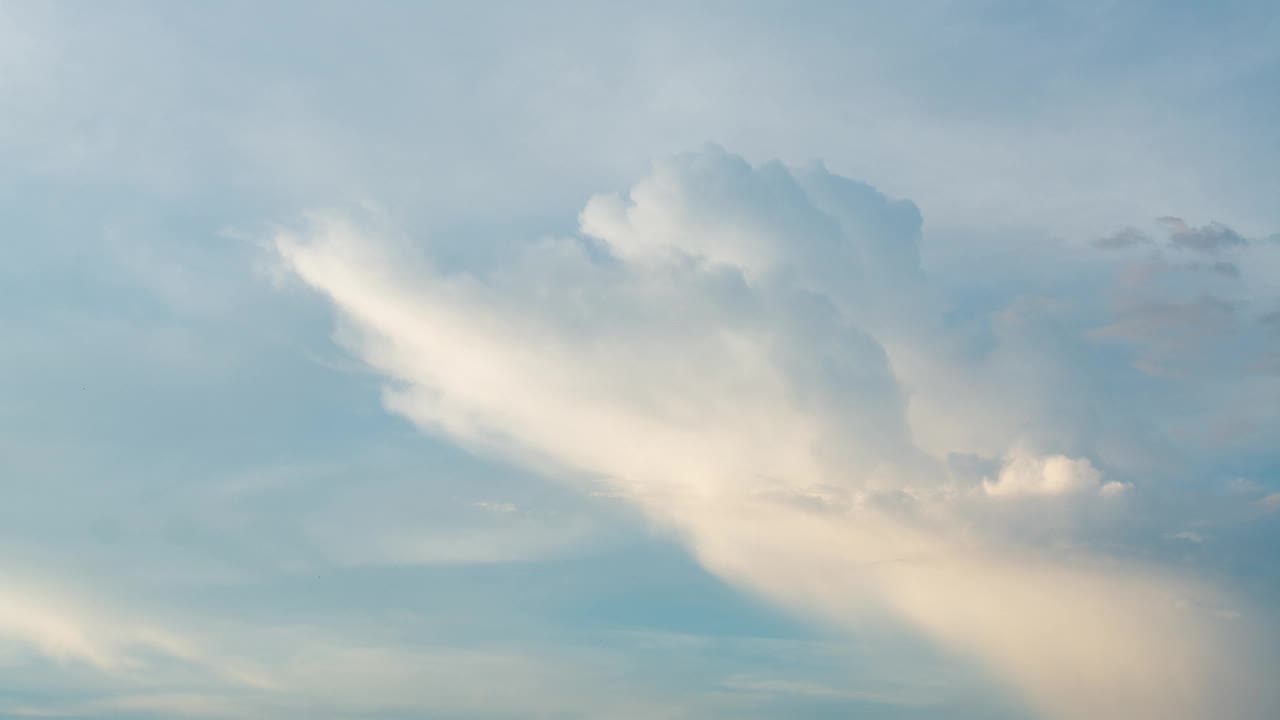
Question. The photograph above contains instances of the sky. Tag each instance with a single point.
(658, 360)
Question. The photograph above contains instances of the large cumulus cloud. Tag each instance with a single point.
(754, 356)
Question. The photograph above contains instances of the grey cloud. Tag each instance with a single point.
(1266, 364)
(1169, 323)
(1228, 269)
(1210, 238)
(1128, 237)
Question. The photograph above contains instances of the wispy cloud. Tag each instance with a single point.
(57, 627)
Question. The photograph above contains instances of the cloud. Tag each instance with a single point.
(1172, 324)
(1191, 320)
(1270, 503)
(1124, 238)
(1226, 268)
(1212, 238)
(57, 635)
(54, 626)
(1050, 475)
(334, 670)
(92, 662)
(203, 120)
(749, 354)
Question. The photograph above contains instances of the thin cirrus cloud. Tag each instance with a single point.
(754, 358)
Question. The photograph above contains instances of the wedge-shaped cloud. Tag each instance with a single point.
(738, 350)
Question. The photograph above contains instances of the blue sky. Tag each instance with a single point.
(675, 360)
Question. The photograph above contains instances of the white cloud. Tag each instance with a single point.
(56, 634)
(342, 669)
(59, 628)
(742, 364)
(1048, 475)
(1113, 488)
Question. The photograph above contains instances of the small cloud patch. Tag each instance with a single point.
(1025, 475)
(1212, 238)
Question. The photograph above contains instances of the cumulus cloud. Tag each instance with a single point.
(752, 356)
(1049, 475)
